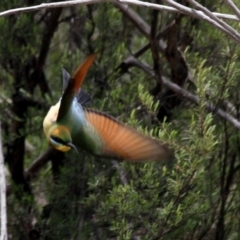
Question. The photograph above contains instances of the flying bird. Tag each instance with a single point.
(69, 125)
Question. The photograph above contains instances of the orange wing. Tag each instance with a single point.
(73, 86)
(81, 72)
(123, 142)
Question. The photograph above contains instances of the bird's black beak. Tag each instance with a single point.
(71, 145)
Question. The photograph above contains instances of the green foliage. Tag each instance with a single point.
(92, 198)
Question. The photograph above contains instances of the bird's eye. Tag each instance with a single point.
(58, 140)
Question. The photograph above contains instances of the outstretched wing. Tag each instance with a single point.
(123, 142)
(73, 86)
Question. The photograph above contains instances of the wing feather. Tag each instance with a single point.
(123, 142)
(73, 85)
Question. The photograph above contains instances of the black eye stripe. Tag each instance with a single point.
(58, 140)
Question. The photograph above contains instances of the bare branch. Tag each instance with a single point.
(218, 21)
(139, 22)
(205, 14)
(132, 2)
(201, 15)
(39, 163)
(184, 93)
(154, 48)
(195, 99)
(142, 26)
(36, 166)
(233, 7)
(3, 235)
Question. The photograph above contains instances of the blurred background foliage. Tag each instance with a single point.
(55, 196)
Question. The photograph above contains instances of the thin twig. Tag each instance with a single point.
(82, 2)
(39, 163)
(154, 48)
(212, 16)
(201, 15)
(208, 16)
(233, 7)
(184, 93)
(3, 235)
(141, 25)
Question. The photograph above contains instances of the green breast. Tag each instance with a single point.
(85, 137)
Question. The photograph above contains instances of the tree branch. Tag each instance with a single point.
(227, 27)
(154, 43)
(184, 93)
(3, 235)
(133, 2)
(39, 163)
(142, 26)
(233, 7)
(205, 16)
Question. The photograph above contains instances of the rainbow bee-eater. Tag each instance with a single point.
(70, 125)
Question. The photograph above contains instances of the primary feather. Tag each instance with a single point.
(73, 86)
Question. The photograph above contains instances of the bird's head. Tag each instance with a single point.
(60, 138)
